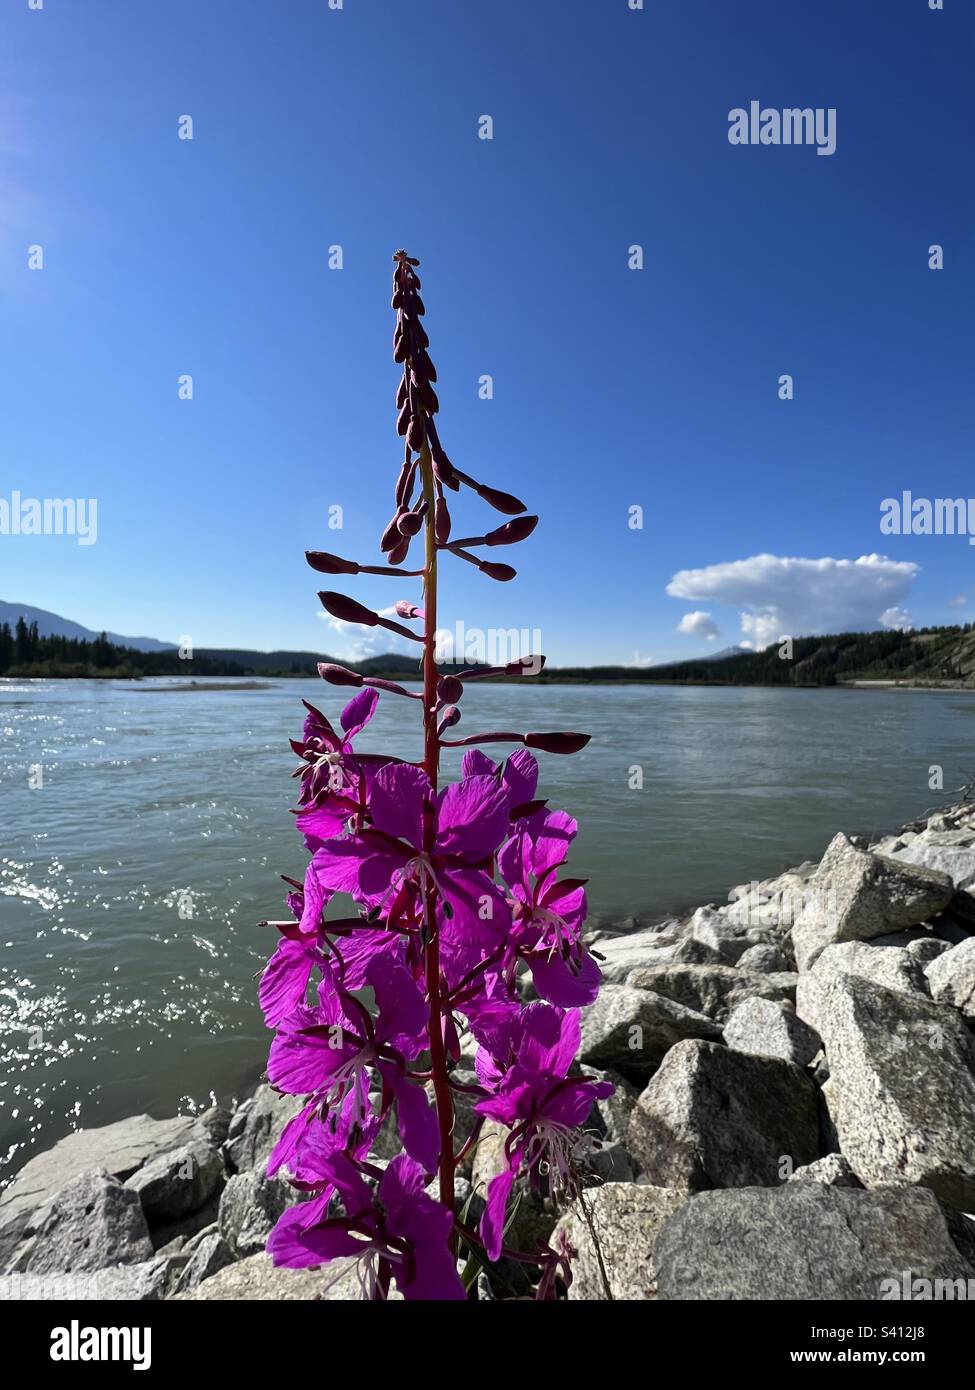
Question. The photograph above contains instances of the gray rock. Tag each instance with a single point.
(855, 895)
(265, 1115)
(901, 1093)
(120, 1149)
(186, 1227)
(912, 936)
(631, 1030)
(713, 1117)
(179, 1182)
(951, 978)
(769, 908)
(950, 852)
(618, 955)
(771, 1030)
(708, 988)
(767, 957)
(699, 987)
(833, 1171)
(257, 1278)
(610, 1118)
(176, 1246)
(613, 1231)
(249, 1207)
(611, 1163)
(779, 987)
(927, 949)
(92, 1223)
(691, 952)
(805, 1241)
(891, 967)
(238, 1120)
(211, 1254)
(213, 1125)
(729, 940)
(199, 1236)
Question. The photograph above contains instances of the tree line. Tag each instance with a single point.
(945, 653)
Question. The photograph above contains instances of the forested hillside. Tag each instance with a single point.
(926, 656)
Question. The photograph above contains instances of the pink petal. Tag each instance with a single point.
(492, 1221)
(284, 983)
(473, 818)
(358, 712)
(398, 794)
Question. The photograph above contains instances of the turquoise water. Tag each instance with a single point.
(132, 879)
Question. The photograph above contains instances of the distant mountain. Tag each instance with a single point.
(217, 660)
(924, 656)
(305, 662)
(53, 625)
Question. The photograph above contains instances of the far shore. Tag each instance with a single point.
(274, 678)
(200, 685)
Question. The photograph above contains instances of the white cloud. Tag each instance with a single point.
(958, 601)
(358, 642)
(699, 625)
(898, 618)
(781, 596)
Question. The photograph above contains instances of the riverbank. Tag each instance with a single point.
(125, 680)
(181, 686)
(794, 1115)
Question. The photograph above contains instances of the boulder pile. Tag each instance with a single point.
(794, 1116)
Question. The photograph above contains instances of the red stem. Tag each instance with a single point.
(431, 762)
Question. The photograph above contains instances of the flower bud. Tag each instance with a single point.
(338, 675)
(392, 534)
(345, 608)
(512, 531)
(500, 572)
(557, 743)
(325, 563)
(449, 689)
(449, 716)
(442, 466)
(501, 501)
(404, 483)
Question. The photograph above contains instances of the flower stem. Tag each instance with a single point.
(431, 762)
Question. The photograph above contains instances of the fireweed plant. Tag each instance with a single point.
(460, 891)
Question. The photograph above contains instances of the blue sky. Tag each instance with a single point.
(612, 387)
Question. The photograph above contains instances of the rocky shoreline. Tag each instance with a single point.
(794, 1117)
